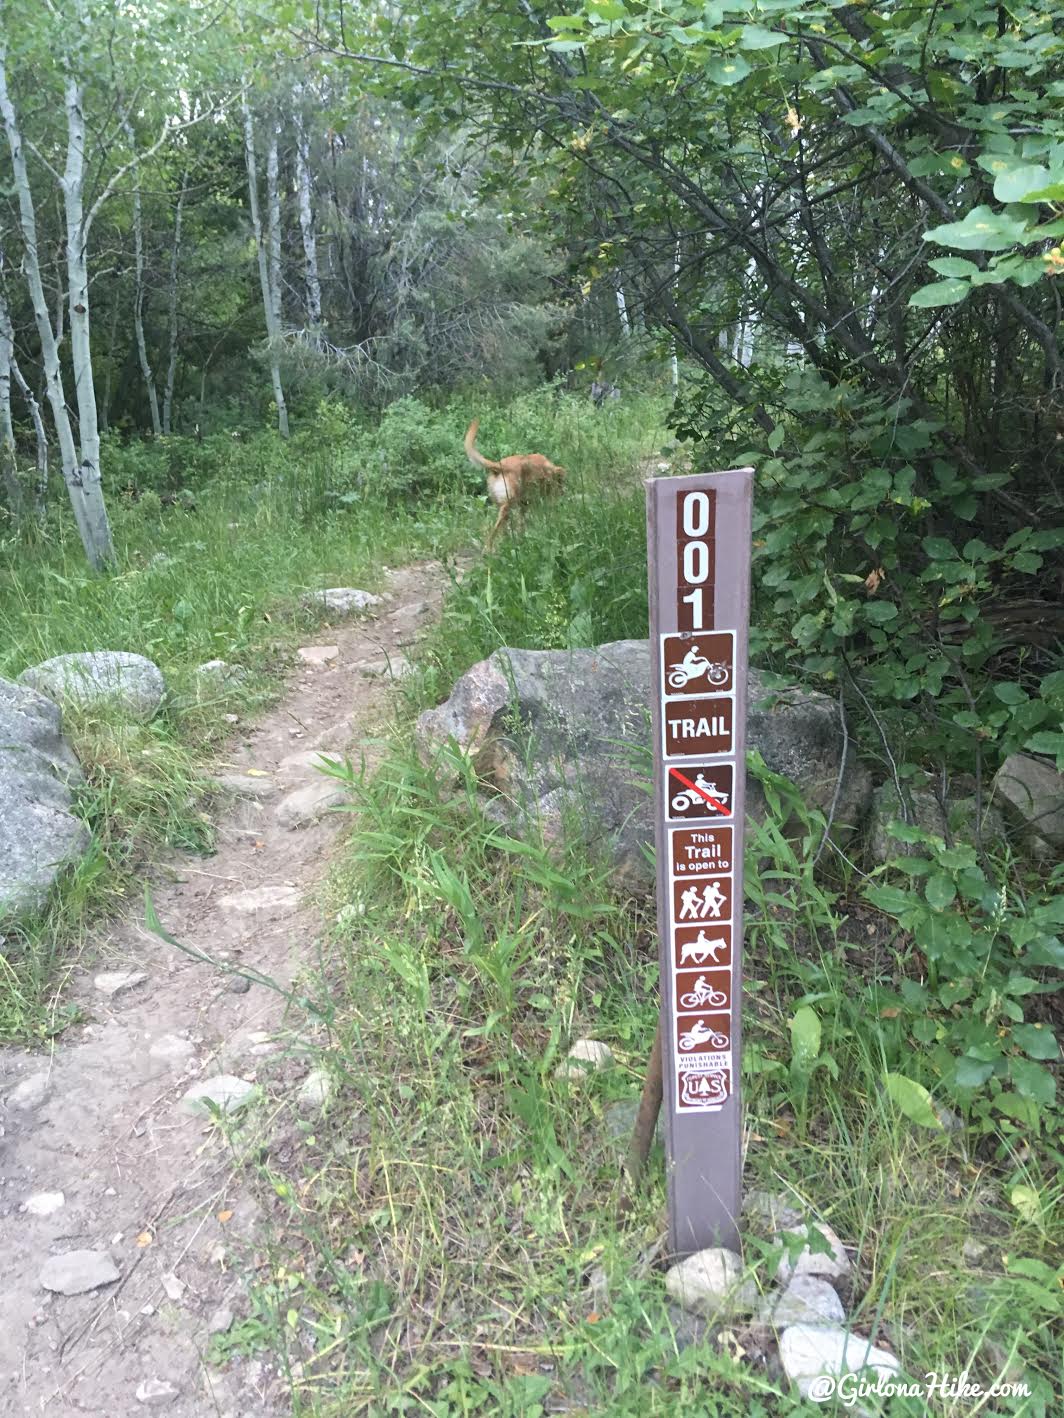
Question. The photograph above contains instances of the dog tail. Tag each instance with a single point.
(477, 459)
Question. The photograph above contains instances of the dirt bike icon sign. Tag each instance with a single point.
(698, 664)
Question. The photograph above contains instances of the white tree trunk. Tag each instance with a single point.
(675, 353)
(270, 307)
(77, 234)
(8, 469)
(138, 298)
(306, 224)
(97, 550)
(622, 312)
(175, 261)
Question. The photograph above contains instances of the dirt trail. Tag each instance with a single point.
(99, 1120)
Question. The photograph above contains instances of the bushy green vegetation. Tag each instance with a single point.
(215, 541)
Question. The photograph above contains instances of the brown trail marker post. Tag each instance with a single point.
(698, 543)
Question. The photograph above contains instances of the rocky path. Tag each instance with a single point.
(123, 1227)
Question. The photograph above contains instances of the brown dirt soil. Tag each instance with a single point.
(157, 1189)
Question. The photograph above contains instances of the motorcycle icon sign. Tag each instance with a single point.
(698, 663)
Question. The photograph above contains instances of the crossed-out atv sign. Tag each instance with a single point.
(699, 560)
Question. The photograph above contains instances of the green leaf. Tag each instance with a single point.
(971, 1073)
(1027, 1202)
(1010, 693)
(1033, 1081)
(728, 70)
(890, 899)
(1035, 1040)
(940, 293)
(953, 266)
(981, 230)
(879, 612)
(912, 1100)
(940, 891)
(757, 37)
(805, 1036)
(1046, 741)
(1013, 186)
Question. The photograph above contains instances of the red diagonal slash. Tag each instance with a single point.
(716, 806)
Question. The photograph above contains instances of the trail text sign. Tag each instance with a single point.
(698, 540)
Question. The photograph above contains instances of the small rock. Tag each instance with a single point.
(239, 985)
(340, 600)
(777, 1211)
(315, 1090)
(221, 1321)
(43, 1203)
(173, 1287)
(318, 654)
(260, 900)
(309, 759)
(32, 1091)
(306, 805)
(155, 1391)
(171, 1048)
(974, 1251)
(586, 1056)
(835, 1266)
(809, 1351)
(77, 1272)
(224, 1091)
(116, 982)
(711, 1282)
(620, 1120)
(806, 1300)
(247, 785)
(215, 676)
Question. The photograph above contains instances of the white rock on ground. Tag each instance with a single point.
(32, 1091)
(214, 676)
(306, 805)
(77, 1272)
(318, 654)
(586, 1056)
(711, 1283)
(835, 1266)
(171, 1048)
(309, 760)
(776, 1210)
(809, 1351)
(341, 600)
(173, 1287)
(39, 834)
(247, 785)
(116, 982)
(315, 1090)
(156, 1392)
(225, 1091)
(260, 900)
(806, 1300)
(43, 1203)
(221, 1321)
(129, 684)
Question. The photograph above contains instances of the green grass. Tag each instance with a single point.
(217, 575)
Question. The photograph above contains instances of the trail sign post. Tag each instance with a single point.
(698, 543)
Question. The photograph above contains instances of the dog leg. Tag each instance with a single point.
(504, 512)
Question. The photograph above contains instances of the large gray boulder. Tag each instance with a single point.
(39, 835)
(563, 736)
(1032, 793)
(968, 819)
(128, 684)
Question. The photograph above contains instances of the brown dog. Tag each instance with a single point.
(510, 479)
